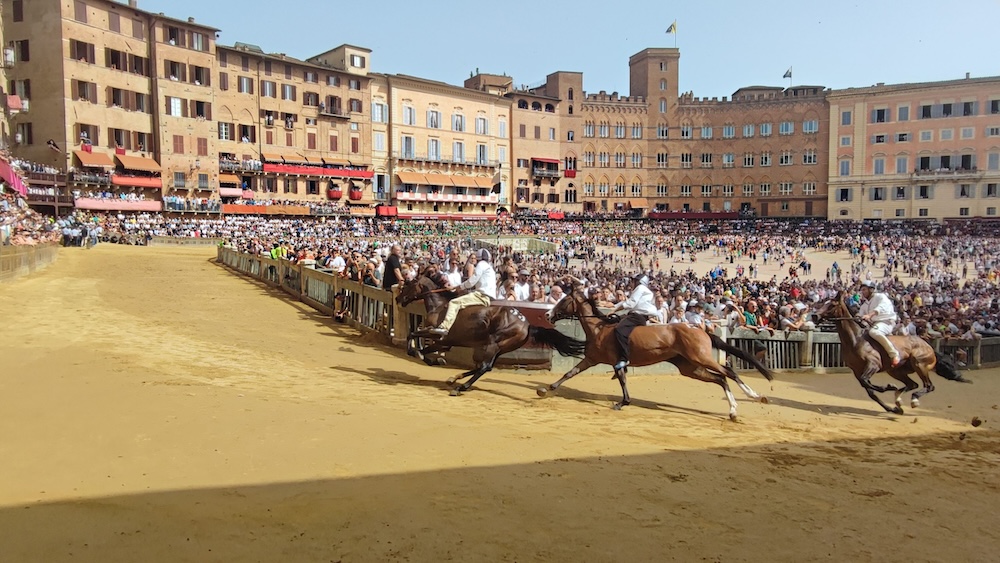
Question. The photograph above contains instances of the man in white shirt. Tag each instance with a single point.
(878, 310)
(483, 282)
(522, 289)
(641, 306)
(338, 263)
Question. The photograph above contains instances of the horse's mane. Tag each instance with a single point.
(592, 300)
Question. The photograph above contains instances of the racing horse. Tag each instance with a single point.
(865, 357)
(490, 331)
(687, 347)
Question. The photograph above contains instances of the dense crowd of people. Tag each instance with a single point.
(941, 278)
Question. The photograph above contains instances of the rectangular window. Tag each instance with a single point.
(903, 113)
(686, 132)
(434, 149)
(245, 85)
(225, 131)
(878, 139)
(433, 119)
(662, 132)
(902, 137)
(409, 115)
(963, 211)
(706, 132)
(268, 89)
(198, 42)
(458, 123)
(878, 167)
(685, 191)
(967, 132)
(809, 188)
(925, 111)
(845, 117)
(924, 192)
(991, 211)
(482, 127)
(179, 179)
(311, 141)
(765, 189)
(810, 126)
(378, 141)
(844, 194)
(748, 131)
(922, 212)
(728, 131)
(17, 7)
(83, 52)
(357, 61)
(334, 143)
(706, 191)
(552, 133)
(785, 158)
(880, 115)
(785, 188)
(502, 129)
(991, 190)
(845, 141)
(482, 154)
(946, 110)
(728, 160)
(114, 22)
(926, 136)
(845, 167)
(355, 145)
(748, 160)
(946, 134)
(786, 128)
(706, 160)
(902, 164)
(747, 190)
(686, 160)
(202, 146)
(878, 194)
(80, 11)
(538, 131)
(765, 129)
(993, 161)
(993, 131)
(522, 130)
(287, 92)
(138, 31)
(765, 158)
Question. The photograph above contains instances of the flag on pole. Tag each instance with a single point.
(788, 73)
(672, 28)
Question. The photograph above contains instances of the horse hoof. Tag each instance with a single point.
(617, 406)
(411, 352)
(897, 410)
(764, 400)
(914, 403)
(733, 417)
(451, 380)
(455, 392)
(441, 361)
(542, 391)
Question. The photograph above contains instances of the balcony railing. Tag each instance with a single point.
(45, 178)
(947, 171)
(91, 178)
(444, 159)
(544, 173)
(334, 112)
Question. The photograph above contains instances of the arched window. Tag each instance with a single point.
(663, 84)
(536, 106)
(663, 106)
(570, 96)
(571, 110)
(550, 108)
(522, 104)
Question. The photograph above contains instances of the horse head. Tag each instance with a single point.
(568, 307)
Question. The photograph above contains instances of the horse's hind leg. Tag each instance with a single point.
(702, 373)
(923, 372)
(908, 385)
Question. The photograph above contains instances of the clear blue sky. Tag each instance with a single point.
(724, 44)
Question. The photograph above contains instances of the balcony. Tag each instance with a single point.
(545, 172)
(306, 170)
(974, 171)
(42, 178)
(410, 196)
(334, 112)
(79, 177)
(443, 159)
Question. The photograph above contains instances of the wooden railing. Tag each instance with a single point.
(17, 261)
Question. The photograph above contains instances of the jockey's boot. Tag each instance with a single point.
(437, 330)
(621, 365)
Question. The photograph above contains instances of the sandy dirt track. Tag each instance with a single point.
(155, 407)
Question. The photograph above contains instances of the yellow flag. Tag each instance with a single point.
(672, 28)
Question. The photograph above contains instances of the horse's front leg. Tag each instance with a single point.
(477, 373)
(581, 366)
(865, 380)
(621, 377)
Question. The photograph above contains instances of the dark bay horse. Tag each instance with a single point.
(490, 331)
(866, 357)
(688, 348)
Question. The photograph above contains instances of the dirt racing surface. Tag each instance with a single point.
(155, 407)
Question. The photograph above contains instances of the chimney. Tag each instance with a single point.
(190, 20)
(133, 4)
(966, 75)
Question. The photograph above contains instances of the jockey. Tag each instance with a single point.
(878, 310)
(641, 306)
(483, 282)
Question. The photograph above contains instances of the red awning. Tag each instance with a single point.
(548, 160)
(14, 103)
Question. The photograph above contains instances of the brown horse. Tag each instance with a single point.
(866, 357)
(490, 331)
(688, 348)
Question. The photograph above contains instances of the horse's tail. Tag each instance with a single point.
(947, 369)
(565, 345)
(741, 354)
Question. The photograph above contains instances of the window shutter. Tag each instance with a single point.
(167, 98)
(193, 108)
(223, 81)
(208, 112)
